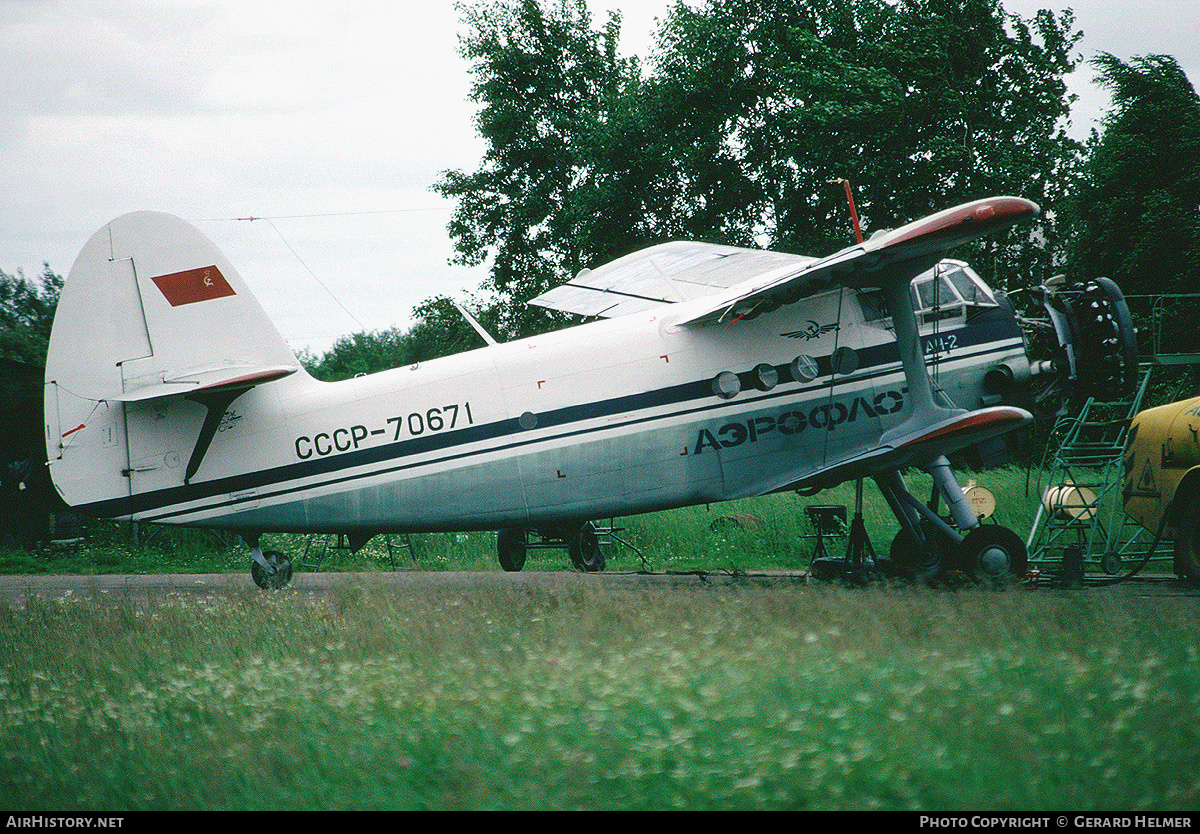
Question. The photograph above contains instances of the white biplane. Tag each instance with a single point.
(711, 373)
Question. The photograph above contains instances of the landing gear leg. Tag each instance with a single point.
(923, 546)
(926, 545)
(859, 549)
(988, 553)
(859, 562)
(950, 489)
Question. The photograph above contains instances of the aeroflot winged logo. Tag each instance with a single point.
(812, 330)
(190, 286)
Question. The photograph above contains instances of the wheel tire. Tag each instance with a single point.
(511, 548)
(583, 546)
(1110, 563)
(920, 561)
(991, 553)
(277, 580)
(1187, 540)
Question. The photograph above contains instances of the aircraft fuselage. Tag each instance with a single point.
(611, 418)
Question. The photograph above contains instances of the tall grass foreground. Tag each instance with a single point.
(588, 696)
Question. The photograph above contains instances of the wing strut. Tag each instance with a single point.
(216, 400)
(925, 411)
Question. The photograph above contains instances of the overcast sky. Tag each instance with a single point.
(331, 119)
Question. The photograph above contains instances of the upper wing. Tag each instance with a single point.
(748, 282)
(898, 255)
(663, 274)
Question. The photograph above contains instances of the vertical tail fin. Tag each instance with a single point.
(151, 309)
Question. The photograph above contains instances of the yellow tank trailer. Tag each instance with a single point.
(1162, 477)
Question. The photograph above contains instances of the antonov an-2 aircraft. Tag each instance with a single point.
(711, 373)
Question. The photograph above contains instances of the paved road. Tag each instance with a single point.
(16, 589)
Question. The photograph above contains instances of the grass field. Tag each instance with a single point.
(807, 697)
(587, 695)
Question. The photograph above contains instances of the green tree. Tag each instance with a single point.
(365, 352)
(744, 113)
(439, 329)
(921, 104)
(543, 77)
(26, 314)
(1135, 208)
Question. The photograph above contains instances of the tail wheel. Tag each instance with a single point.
(991, 553)
(511, 546)
(583, 546)
(272, 581)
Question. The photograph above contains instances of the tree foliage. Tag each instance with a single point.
(439, 330)
(543, 80)
(26, 315)
(744, 113)
(1136, 207)
(732, 129)
(921, 104)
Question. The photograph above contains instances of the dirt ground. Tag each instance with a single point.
(141, 588)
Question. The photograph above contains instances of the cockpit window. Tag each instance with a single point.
(935, 292)
(972, 291)
(947, 291)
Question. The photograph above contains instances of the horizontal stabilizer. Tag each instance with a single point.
(206, 381)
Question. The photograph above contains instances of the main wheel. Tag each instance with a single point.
(510, 546)
(1187, 540)
(583, 546)
(991, 553)
(272, 581)
(921, 560)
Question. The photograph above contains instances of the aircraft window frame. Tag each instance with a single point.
(949, 293)
(966, 289)
(935, 299)
(971, 288)
(928, 293)
(959, 290)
